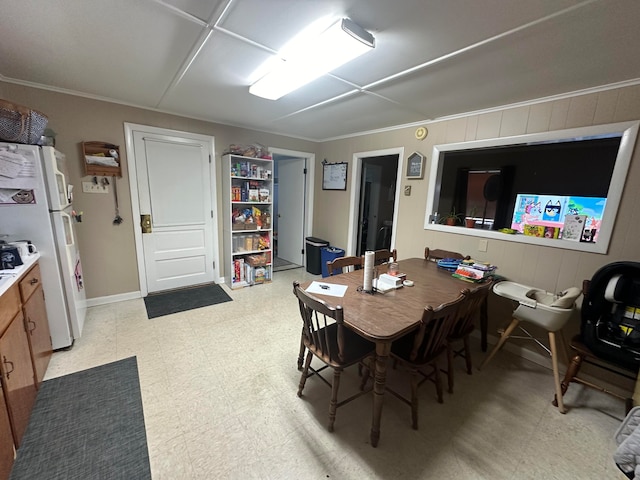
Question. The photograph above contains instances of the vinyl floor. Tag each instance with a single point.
(219, 393)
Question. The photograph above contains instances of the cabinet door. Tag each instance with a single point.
(6, 440)
(17, 376)
(37, 325)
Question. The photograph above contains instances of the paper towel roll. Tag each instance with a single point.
(369, 260)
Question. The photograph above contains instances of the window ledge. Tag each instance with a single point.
(520, 238)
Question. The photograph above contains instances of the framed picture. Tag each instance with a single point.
(415, 165)
(334, 176)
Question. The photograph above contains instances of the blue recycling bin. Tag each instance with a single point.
(328, 254)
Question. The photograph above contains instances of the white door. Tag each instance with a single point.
(174, 183)
(291, 198)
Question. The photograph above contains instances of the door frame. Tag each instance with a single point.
(354, 201)
(309, 187)
(208, 140)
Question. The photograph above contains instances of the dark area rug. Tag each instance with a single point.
(87, 425)
(175, 301)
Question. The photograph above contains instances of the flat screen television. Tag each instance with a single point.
(551, 211)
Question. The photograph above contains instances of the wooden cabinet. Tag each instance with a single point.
(36, 322)
(7, 450)
(25, 351)
(247, 198)
(17, 376)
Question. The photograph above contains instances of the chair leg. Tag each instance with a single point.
(503, 338)
(450, 366)
(333, 404)
(572, 371)
(305, 373)
(438, 380)
(414, 398)
(366, 373)
(301, 354)
(467, 354)
(556, 373)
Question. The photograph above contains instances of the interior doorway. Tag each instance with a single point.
(374, 200)
(293, 184)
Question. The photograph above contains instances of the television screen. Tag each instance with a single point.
(544, 215)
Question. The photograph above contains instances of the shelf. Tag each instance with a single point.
(247, 186)
(249, 252)
(94, 151)
(235, 177)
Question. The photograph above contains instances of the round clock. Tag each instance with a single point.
(421, 133)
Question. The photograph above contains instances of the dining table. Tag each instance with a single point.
(384, 317)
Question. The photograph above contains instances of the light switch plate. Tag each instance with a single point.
(90, 187)
(407, 190)
(482, 246)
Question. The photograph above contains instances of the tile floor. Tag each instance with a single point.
(219, 392)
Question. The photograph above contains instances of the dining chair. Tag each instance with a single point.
(437, 254)
(425, 348)
(384, 255)
(544, 309)
(343, 264)
(326, 338)
(463, 327)
(334, 267)
(608, 339)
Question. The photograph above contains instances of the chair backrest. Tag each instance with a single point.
(343, 264)
(437, 254)
(435, 327)
(318, 320)
(384, 255)
(470, 309)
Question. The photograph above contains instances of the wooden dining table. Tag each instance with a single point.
(384, 317)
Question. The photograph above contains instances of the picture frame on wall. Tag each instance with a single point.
(334, 176)
(415, 165)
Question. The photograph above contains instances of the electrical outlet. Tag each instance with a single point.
(482, 246)
(90, 187)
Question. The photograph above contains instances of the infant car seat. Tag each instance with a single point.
(611, 314)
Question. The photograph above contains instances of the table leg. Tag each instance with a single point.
(484, 324)
(380, 376)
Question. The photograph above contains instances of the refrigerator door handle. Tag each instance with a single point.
(68, 230)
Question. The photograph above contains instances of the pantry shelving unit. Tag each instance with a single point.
(247, 228)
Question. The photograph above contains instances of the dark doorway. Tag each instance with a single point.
(377, 203)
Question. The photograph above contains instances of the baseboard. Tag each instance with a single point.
(121, 297)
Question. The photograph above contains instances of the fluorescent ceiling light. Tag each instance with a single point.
(300, 63)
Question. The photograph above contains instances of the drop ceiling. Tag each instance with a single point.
(432, 59)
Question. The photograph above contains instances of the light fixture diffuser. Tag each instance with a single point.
(300, 63)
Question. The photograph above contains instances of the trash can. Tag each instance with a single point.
(328, 254)
(312, 247)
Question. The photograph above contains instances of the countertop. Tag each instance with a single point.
(9, 277)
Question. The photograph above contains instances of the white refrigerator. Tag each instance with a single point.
(36, 205)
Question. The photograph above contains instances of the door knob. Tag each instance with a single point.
(145, 223)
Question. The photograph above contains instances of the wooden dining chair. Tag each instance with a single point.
(463, 326)
(384, 255)
(437, 254)
(344, 264)
(424, 349)
(334, 267)
(326, 338)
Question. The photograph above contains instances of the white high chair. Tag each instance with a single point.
(544, 309)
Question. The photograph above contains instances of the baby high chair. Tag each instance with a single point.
(547, 310)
